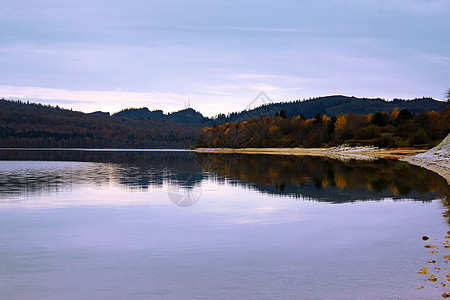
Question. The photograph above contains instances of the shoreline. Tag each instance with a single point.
(441, 168)
(364, 153)
(436, 159)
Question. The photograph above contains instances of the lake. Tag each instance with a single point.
(109, 224)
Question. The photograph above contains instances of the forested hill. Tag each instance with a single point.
(36, 125)
(333, 106)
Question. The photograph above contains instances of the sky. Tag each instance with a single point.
(108, 55)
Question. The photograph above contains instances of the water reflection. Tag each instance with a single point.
(325, 179)
(36, 177)
(234, 237)
(37, 172)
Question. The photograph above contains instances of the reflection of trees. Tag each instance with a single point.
(37, 179)
(311, 177)
(133, 169)
(325, 178)
(128, 157)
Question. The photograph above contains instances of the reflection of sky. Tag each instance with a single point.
(91, 55)
(267, 246)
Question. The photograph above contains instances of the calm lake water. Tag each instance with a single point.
(180, 225)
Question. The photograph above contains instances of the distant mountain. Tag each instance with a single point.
(333, 106)
(187, 115)
(143, 113)
(100, 113)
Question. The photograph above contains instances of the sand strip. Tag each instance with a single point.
(365, 153)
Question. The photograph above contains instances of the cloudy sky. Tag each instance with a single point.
(107, 54)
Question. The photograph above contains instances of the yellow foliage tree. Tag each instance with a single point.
(273, 129)
(432, 113)
(394, 114)
(340, 122)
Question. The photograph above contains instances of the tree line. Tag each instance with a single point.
(398, 128)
